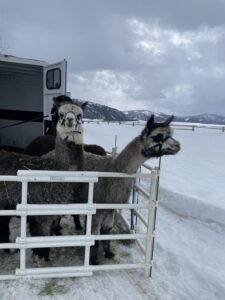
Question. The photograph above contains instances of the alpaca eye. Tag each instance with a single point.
(158, 138)
(79, 117)
(61, 115)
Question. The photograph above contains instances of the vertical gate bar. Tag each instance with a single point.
(89, 221)
(151, 222)
(139, 182)
(155, 213)
(23, 226)
(134, 200)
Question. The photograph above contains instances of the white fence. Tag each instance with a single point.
(24, 242)
(175, 125)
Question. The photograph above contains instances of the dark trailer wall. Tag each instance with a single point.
(21, 98)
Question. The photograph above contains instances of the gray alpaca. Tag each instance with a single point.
(154, 141)
(68, 156)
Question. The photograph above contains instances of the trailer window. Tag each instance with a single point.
(53, 79)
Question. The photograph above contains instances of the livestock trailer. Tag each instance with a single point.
(27, 87)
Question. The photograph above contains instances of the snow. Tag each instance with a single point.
(189, 260)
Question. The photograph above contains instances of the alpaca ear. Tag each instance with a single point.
(150, 121)
(83, 105)
(149, 125)
(168, 121)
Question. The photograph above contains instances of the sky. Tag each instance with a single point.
(164, 56)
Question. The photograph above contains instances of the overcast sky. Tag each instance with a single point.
(164, 55)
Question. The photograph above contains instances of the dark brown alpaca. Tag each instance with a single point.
(45, 143)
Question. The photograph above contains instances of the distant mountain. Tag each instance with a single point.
(143, 115)
(203, 118)
(103, 112)
(106, 113)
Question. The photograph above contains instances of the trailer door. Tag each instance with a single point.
(55, 77)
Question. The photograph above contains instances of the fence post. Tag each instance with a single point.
(151, 221)
(23, 227)
(114, 149)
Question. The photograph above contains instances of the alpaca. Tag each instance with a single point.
(43, 144)
(154, 141)
(68, 156)
(46, 143)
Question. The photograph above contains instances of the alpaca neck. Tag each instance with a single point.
(69, 156)
(131, 158)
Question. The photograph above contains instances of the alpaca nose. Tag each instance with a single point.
(70, 121)
(178, 146)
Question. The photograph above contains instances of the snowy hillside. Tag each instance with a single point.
(103, 112)
(189, 260)
(202, 118)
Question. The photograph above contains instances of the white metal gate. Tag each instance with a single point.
(24, 242)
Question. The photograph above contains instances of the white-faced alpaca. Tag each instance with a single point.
(46, 143)
(68, 156)
(155, 140)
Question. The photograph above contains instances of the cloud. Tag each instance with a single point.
(160, 55)
(110, 88)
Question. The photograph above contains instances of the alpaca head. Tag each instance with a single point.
(70, 114)
(157, 139)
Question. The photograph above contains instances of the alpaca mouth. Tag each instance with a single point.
(74, 131)
(77, 131)
(172, 151)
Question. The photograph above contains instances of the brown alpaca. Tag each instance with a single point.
(45, 143)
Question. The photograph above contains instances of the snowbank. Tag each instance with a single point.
(191, 207)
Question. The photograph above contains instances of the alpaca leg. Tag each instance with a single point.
(94, 249)
(56, 227)
(4, 230)
(94, 253)
(106, 228)
(106, 244)
(76, 219)
(41, 226)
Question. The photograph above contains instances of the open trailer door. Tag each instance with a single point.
(55, 77)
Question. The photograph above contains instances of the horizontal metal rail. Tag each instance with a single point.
(9, 246)
(141, 217)
(55, 272)
(67, 209)
(55, 241)
(8, 178)
(141, 189)
(55, 209)
(67, 241)
(8, 277)
(147, 167)
(9, 212)
(87, 176)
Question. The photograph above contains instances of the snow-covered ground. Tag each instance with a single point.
(189, 260)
